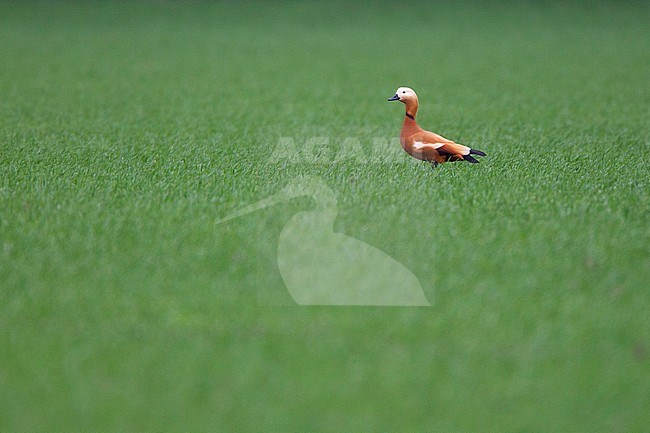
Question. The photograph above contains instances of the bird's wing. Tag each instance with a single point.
(427, 140)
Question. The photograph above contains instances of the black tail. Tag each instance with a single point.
(470, 159)
(476, 152)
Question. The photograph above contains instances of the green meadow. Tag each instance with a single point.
(128, 130)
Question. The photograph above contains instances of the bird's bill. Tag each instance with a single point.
(394, 98)
(269, 201)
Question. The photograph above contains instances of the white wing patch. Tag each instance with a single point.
(419, 145)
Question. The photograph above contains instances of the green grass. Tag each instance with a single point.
(128, 130)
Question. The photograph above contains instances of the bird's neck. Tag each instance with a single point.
(409, 127)
(412, 108)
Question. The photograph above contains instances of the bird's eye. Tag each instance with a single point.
(403, 91)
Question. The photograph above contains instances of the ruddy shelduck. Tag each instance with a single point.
(426, 145)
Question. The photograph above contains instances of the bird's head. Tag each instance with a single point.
(404, 95)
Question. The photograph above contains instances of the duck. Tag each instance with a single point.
(426, 145)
